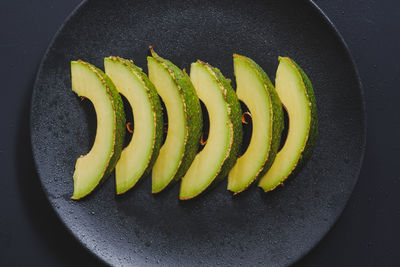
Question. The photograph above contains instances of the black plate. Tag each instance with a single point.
(253, 229)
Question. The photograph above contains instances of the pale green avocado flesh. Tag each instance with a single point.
(211, 161)
(92, 83)
(184, 122)
(256, 90)
(297, 96)
(134, 85)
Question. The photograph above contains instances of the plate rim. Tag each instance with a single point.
(353, 65)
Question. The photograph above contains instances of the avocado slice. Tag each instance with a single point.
(225, 134)
(185, 121)
(90, 82)
(297, 96)
(140, 154)
(255, 89)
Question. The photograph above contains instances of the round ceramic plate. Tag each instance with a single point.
(253, 229)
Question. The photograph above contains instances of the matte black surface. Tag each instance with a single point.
(138, 228)
(365, 235)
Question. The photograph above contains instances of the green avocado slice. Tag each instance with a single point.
(297, 96)
(185, 121)
(90, 82)
(225, 133)
(139, 156)
(255, 89)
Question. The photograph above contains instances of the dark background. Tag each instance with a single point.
(366, 234)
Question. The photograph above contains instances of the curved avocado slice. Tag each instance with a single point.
(255, 89)
(297, 95)
(140, 154)
(185, 121)
(90, 82)
(225, 134)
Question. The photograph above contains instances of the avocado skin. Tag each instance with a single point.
(120, 123)
(157, 108)
(313, 132)
(277, 117)
(192, 112)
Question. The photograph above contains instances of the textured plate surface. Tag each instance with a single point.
(252, 229)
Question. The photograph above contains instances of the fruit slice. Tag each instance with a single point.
(225, 134)
(90, 82)
(184, 121)
(140, 154)
(256, 90)
(297, 95)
